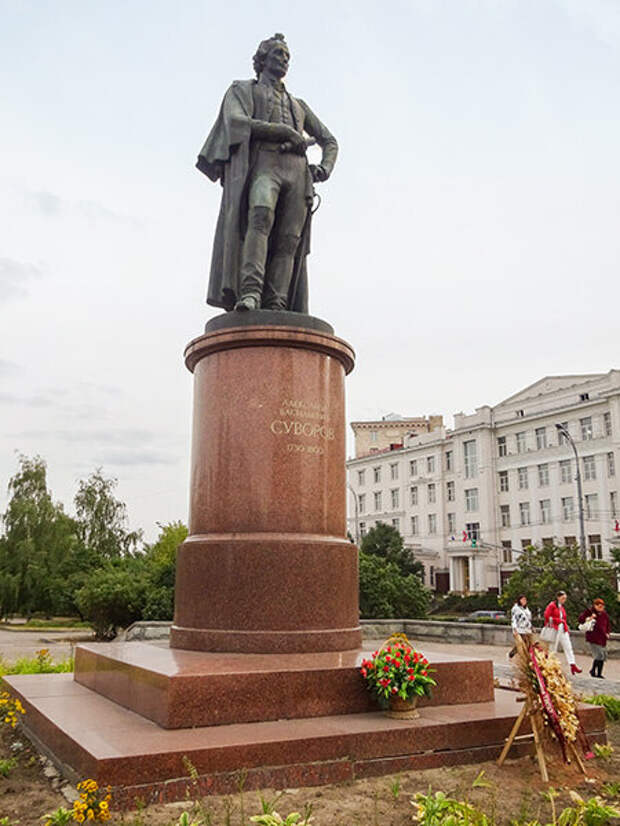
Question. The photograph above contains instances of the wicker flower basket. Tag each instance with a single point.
(400, 709)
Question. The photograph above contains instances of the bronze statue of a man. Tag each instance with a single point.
(257, 150)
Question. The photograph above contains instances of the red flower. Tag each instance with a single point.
(386, 667)
(364, 672)
(397, 663)
(424, 661)
(388, 658)
(411, 677)
(407, 658)
(424, 673)
(410, 671)
(394, 690)
(389, 649)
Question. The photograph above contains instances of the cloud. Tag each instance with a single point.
(53, 206)
(29, 401)
(15, 277)
(125, 458)
(124, 437)
(8, 368)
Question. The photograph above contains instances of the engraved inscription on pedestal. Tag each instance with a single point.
(304, 419)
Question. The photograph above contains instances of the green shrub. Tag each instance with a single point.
(609, 703)
(458, 604)
(111, 598)
(385, 593)
(37, 665)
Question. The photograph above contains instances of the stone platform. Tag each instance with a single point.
(183, 689)
(95, 737)
(91, 735)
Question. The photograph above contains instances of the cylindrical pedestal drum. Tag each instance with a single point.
(267, 567)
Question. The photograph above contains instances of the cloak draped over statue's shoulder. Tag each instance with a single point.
(227, 156)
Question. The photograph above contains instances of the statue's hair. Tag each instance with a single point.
(263, 50)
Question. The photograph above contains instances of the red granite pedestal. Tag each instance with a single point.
(267, 567)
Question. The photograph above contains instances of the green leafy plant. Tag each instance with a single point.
(603, 751)
(185, 820)
(440, 810)
(397, 670)
(395, 787)
(609, 703)
(7, 766)
(60, 817)
(592, 812)
(274, 819)
(611, 790)
(268, 806)
(41, 663)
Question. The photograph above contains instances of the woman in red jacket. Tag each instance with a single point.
(598, 635)
(555, 617)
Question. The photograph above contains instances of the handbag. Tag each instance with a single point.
(548, 633)
(588, 625)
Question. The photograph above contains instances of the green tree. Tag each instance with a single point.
(113, 597)
(102, 520)
(543, 571)
(386, 593)
(38, 547)
(386, 542)
(161, 568)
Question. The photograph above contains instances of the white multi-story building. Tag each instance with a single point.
(467, 500)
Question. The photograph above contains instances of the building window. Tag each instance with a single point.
(505, 515)
(543, 475)
(431, 493)
(561, 437)
(413, 495)
(589, 468)
(526, 543)
(541, 438)
(545, 511)
(568, 510)
(591, 505)
(361, 502)
(583, 397)
(396, 523)
(503, 481)
(432, 523)
(378, 500)
(547, 541)
(524, 513)
(449, 460)
(520, 414)
(431, 576)
(471, 499)
(450, 492)
(395, 498)
(361, 477)
(506, 553)
(376, 475)
(362, 529)
(470, 455)
(521, 447)
(523, 482)
(430, 464)
(613, 503)
(473, 531)
(607, 424)
(414, 525)
(413, 467)
(501, 446)
(394, 471)
(451, 523)
(586, 428)
(373, 435)
(565, 472)
(596, 548)
(611, 464)
(570, 541)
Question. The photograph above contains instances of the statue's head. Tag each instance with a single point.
(272, 54)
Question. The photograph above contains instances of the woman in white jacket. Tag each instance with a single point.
(521, 621)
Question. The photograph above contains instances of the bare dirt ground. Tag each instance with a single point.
(514, 794)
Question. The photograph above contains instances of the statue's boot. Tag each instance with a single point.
(247, 303)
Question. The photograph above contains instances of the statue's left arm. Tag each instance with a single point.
(328, 143)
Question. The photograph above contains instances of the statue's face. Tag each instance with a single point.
(277, 59)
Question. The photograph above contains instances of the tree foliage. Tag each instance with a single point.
(39, 546)
(102, 519)
(161, 564)
(386, 542)
(543, 571)
(385, 592)
(113, 597)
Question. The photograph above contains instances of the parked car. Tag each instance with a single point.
(482, 615)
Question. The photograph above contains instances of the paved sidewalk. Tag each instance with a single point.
(16, 644)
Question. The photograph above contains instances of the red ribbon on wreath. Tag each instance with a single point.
(547, 704)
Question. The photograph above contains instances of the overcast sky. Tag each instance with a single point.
(468, 241)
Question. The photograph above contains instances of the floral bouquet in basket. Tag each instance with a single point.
(397, 671)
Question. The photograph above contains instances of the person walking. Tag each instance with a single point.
(521, 622)
(556, 619)
(597, 634)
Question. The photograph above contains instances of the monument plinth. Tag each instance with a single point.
(267, 567)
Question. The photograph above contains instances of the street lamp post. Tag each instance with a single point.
(357, 529)
(582, 533)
